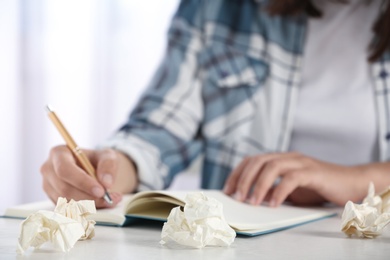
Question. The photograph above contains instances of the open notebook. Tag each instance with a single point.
(156, 205)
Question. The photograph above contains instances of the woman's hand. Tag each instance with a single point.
(296, 177)
(63, 176)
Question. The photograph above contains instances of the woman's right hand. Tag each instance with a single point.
(63, 176)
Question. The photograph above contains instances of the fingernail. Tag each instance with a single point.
(97, 192)
(226, 189)
(237, 196)
(272, 203)
(107, 179)
(253, 201)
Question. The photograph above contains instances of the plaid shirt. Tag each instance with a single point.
(226, 89)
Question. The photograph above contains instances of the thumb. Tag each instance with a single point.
(106, 168)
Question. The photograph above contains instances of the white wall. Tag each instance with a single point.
(89, 59)
(9, 103)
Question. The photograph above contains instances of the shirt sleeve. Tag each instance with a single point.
(161, 135)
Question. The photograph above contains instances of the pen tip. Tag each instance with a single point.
(48, 109)
(107, 198)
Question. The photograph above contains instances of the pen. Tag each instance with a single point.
(81, 157)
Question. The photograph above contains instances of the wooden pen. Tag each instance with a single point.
(81, 157)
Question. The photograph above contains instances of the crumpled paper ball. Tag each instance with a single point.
(78, 210)
(369, 218)
(63, 227)
(201, 223)
(47, 226)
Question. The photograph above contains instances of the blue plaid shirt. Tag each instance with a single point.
(226, 89)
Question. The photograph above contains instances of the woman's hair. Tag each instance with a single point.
(381, 27)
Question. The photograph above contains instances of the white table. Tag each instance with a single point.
(317, 240)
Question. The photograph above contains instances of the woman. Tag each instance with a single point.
(285, 100)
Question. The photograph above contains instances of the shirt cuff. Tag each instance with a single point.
(150, 170)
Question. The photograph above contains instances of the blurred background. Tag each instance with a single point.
(90, 60)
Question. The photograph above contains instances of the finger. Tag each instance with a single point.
(247, 178)
(63, 189)
(48, 177)
(231, 182)
(76, 195)
(116, 197)
(269, 194)
(287, 185)
(107, 166)
(67, 192)
(50, 191)
(239, 182)
(247, 173)
(70, 177)
(55, 188)
(271, 171)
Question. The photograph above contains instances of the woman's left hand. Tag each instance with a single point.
(301, 179)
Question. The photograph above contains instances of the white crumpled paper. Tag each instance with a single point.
(369, 218)
(201, 224)
(63, 227)
(78, 210)
(47, 226)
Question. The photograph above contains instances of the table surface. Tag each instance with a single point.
(316, 240)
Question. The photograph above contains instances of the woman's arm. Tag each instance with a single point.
(303, 180)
